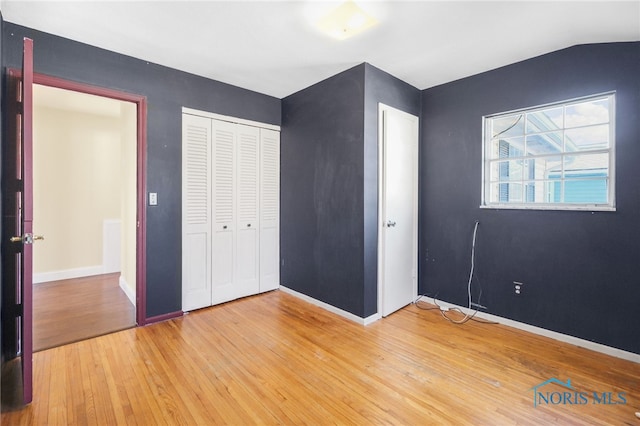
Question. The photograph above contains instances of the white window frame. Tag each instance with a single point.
(487, 160)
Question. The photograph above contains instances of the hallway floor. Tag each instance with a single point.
(76, 309)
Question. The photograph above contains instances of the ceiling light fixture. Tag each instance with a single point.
(346, 20)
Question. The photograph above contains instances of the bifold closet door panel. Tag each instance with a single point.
(231, 211)
(248, 225)
(269, 210)
(223, 211)
(196, 208)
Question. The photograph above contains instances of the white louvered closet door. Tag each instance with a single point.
(231, 211)
(269, 209)
(248, 225)
(196, 205)
(223, 212)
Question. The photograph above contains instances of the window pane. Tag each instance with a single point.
(587, 138)
(506, 192)
(512, 125)
(507, 170)
(586, 113)
(587, 191)
(586, 166)
(530, 192)
(553, 191)
(544, 143)
(503, 148)
(545, 120)
(545, 168)
(543, 191)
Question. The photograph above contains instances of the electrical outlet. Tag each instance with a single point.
(518, 287)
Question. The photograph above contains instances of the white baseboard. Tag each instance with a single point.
(608, 350)
(127, 290)
(110, 257)
(67, 274)
(330, 308)
(587, 344)
(372, 318)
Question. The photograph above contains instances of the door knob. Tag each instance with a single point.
(27, 239)
(390, 224)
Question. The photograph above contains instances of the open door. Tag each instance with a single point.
(17, 233)
(398, 232)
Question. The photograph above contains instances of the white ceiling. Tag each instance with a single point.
(272, 47)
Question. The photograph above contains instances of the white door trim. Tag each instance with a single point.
(382, 108)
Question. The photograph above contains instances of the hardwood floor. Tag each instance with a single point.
(76, 309)
(274, 359)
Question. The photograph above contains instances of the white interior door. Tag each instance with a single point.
(398, 209)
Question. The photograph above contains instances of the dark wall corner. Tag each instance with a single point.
(322, 239)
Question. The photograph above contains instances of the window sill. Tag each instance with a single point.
(588, 208)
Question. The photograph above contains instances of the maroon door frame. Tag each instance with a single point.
(141, 136)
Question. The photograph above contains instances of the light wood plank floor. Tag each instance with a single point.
(70, 310)
(274, 359)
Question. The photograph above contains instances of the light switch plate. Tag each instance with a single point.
(153, 198)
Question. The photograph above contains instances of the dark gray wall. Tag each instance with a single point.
(321, 158)
(167, 90)
(580, 269)
(329, 191)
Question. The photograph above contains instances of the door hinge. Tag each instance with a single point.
(12, 311)
(16, 185)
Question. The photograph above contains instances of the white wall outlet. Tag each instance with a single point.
(153, 198)
(518, 287)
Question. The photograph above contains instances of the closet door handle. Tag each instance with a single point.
(248, 225)
(224, 227)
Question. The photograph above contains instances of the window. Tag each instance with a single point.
(558, 156)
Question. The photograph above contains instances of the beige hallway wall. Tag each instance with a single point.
(84, 186)
(76, 186)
